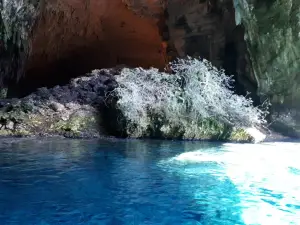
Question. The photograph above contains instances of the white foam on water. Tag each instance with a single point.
(267, 176)
(258, 169)
(257, 135)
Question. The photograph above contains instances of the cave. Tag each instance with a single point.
(71, 39)
(237, 63)
(47, 43)
(230, 65)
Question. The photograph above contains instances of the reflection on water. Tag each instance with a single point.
(58, 181)
(265, 175)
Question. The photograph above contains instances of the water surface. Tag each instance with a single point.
(116, 182)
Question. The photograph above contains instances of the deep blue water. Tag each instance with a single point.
(148, 182)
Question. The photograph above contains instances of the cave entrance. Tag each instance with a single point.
(231, 66)
(237, 63)
(78, 63)
(71, 39)
(58, 72)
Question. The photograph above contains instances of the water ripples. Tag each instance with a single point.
(148, 182)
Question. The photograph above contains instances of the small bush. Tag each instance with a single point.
(195, 101)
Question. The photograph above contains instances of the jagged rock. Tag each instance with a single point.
(201, 28)
(49, 112)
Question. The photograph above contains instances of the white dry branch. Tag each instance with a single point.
(209, 92)
(194, 92)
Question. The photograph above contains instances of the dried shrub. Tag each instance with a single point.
(195, 102)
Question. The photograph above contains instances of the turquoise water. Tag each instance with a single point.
(148, 182)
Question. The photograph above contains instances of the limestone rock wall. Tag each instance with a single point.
(273, 40)
(57, 40)
(17, 18)
(52, 41)
(147, 8)
(109, 29)
(60, 37)
(201, 28)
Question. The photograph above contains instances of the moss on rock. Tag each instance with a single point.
(240, 135)
(16, 120)
(78, 124)
(159, 127)
(70, 111)
(206, 129)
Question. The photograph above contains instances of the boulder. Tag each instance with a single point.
(70, 111)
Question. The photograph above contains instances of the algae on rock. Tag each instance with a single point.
(16, 120)
(79, 124)
(71, 110)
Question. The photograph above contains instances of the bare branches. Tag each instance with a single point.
(196, 91)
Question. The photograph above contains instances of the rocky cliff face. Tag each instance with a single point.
(45, 43)
(207, 29)
(53, 41)
(65, 39)
(16, 22)
(273, 39)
